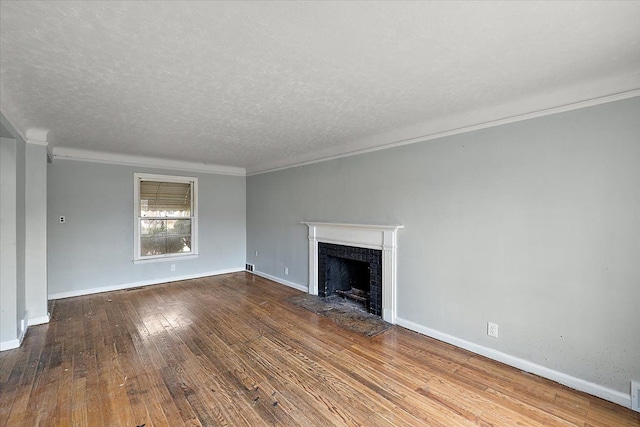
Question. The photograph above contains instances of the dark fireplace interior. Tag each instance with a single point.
(350, 272)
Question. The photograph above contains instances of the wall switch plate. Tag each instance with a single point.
(635, 396)
(62, 219)
(286, 270)
(173, 267)
(492, 329)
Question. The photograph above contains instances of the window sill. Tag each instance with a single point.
(164, 258)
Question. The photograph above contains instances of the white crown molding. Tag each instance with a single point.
(37, 136)
(37, 142)
(446, 122)
(149, 162)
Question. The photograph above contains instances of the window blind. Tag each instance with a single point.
(159, 198)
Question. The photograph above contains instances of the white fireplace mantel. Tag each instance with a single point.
(383, 237)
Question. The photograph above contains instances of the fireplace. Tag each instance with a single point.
(351, 272)
(358, 239)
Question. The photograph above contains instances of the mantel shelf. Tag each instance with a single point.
(346, 225)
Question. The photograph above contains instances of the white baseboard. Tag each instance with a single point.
(11, 344)
(281, 281)
(89, 291)
(39, 320)
(24, 325)
(525, 365)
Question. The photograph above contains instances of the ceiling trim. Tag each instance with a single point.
(150, 162)
(37, 136)
(147, 162)
(37, 142)
(457, 131)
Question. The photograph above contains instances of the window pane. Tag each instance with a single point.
(178, 244)
(156, 245)
(179, 227)
(187, 244)
(153, 227)
(161, 199)
(165, 236)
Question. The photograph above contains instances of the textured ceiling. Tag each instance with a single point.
(262, 85)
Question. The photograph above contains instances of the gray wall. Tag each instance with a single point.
(12, 240)
(94, 248)
(532, 225)
(36, 233)
(21, 298)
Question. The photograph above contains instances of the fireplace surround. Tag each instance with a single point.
(381, 237)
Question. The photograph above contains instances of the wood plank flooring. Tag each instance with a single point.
(231, 351)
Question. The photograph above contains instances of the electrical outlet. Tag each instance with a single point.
(256, 253)
(635, 396)
(286, 270)
(62, 219)
(492, 329)
(173, 267)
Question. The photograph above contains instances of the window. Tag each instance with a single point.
(166, 216)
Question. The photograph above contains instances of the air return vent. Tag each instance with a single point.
(249, 267)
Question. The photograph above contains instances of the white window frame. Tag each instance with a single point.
(137, 177)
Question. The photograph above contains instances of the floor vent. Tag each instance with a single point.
(635, 395)
(249, 267)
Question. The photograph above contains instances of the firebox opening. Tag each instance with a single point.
(351, 272)
(349, 279)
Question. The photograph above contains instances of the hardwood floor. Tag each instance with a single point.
(230, 350)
